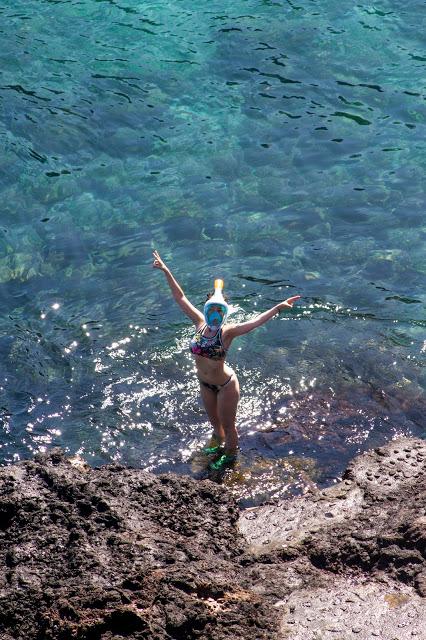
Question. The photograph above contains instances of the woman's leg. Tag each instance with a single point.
(209, 399)
(227, 402)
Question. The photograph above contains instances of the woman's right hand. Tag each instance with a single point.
(158, 263)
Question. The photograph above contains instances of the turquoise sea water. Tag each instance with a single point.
(277, 144)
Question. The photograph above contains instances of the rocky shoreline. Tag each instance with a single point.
(109, 553)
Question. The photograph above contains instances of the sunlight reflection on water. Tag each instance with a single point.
(217, 138)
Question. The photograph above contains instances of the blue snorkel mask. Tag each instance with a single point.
(213, 316)
(216, 308)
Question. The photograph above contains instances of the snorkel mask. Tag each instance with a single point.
(216, 308)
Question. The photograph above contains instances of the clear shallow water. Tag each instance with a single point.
(278, 145)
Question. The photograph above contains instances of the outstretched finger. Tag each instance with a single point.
(290, 301)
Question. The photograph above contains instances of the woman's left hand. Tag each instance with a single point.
(289, 302)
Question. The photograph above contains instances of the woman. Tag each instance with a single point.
(219, 386)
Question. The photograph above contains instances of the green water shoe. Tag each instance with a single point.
(226, 460)
(213, 447)
(211, 451)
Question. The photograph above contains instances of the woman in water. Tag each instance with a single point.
(219, 386)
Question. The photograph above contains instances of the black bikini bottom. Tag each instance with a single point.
(215, 387)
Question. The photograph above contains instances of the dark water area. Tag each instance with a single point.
(279, 145)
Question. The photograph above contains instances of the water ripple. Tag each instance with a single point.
(272, 143)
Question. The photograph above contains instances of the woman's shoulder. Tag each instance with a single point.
(228, 331)
(228, 328)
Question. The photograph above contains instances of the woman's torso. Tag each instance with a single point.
(209, 351)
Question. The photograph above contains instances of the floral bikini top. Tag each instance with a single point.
(208, 347)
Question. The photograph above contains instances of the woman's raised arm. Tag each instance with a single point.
(240, 329)
(177, 291)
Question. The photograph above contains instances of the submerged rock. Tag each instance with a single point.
(114, 552)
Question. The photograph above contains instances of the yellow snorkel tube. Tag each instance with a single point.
(218, 287)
